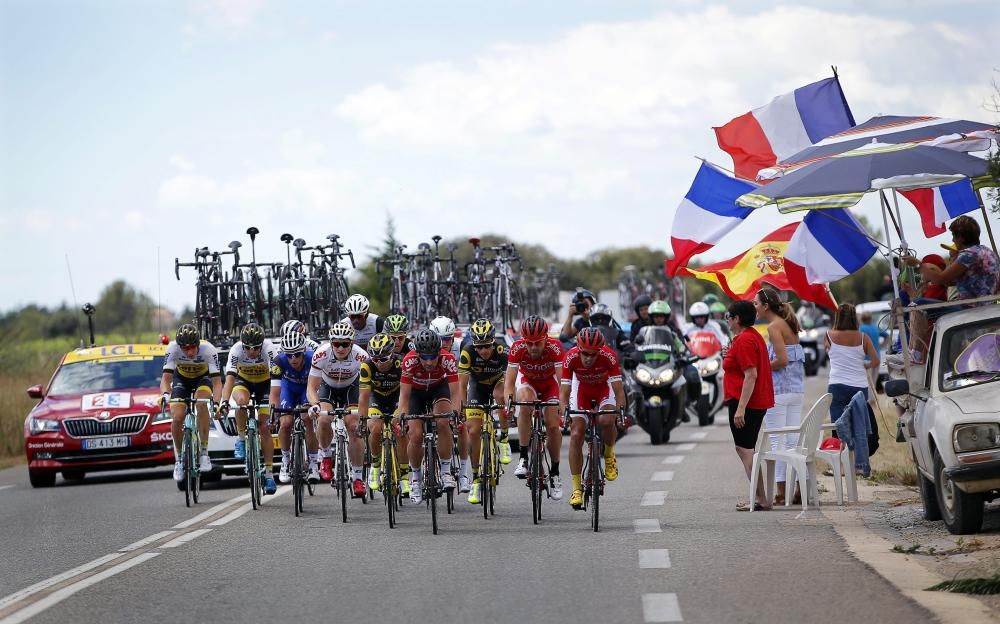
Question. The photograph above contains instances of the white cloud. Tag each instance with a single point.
(180, 163)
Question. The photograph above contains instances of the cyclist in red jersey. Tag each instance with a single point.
(533, 368)
(597, 369)
(429, 379)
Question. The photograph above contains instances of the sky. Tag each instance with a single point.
(132, 132)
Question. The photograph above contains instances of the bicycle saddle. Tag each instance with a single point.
(299, 243)
(286, 238)
(436, 238)
(332, 237)
(424, 247)
(201, 252)
(474, 241)
(253, 232)
(235, 245)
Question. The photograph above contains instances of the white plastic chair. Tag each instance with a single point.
(842, 463)
(800, 460)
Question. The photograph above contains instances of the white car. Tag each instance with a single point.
(880, 311)
(949, 413)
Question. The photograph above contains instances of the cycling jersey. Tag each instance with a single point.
(337, 373)
(253, 369)
(373, 325)
(385, 384)
(535, 369)
(414, 374)
(481, 370)
(292, 382)
(605, 368)
(205, 362)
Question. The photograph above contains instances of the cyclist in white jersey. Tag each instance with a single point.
(333, 382)
(365, 323)
(299, 326)
(444, 327)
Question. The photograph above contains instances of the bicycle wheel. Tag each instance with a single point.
(486, 476)
(535, 477)
(341, 477)
(196, 472)
(186, 460)
(253, 472)
(297, 470)
(388, 481)
(431, 481)
(595, 477)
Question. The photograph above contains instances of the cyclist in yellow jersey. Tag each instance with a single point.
(378, 394)
(397, 327)
(191, 366)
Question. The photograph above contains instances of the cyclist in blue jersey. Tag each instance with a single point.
(289, 376)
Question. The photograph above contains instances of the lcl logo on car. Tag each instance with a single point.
(104, 415)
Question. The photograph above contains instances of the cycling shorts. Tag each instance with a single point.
(184, 387)
(292, 395)
(345, 398)
(480, 395)
(588, 393)
(546, 389)
(422, 401)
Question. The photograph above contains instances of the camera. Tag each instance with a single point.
(581, 306)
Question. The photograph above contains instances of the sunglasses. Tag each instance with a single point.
(588, 354)
(341, 345)
(295, 356)
(398, 337)
(427, 357)
(356, 316)
(381, 360)
(483, 347)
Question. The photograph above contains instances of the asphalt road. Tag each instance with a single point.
(671, 548)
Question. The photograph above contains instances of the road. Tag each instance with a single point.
(671, 548)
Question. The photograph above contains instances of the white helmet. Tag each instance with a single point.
(698, 308)
(443, 327)
(293, 341)
(341, 331)
(356, 304)
(293, 325)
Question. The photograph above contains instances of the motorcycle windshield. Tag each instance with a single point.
(656, 344)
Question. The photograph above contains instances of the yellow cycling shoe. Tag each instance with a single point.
(505, 452)
(404, 486)
(576, 500)
(610, 468)
(474, 492)
(373, 480)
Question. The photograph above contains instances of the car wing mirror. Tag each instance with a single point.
(36, 391)
(900, 387)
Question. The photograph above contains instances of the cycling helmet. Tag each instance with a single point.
(396, 324)
(426, 341)
(483, 332)
(252, 336)
(590, 338)
(640, 301)
(380, 346)
(443, 327)
(710, 298)
(699, 308)
(601, 314)
(342, 331)
(534, 328)
(717, 308)
(293, 325)
(659, 307)
(356, 304)
(188, 335)
(293, 341)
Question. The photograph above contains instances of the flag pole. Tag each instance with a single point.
(720, 167)
(986, 219)
(893, 271)
(899, 216)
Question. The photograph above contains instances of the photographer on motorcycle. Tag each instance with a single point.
(660, 314)
(578, 315)
(642, 319)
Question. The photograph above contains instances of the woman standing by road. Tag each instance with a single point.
(747, 388)
(787, 375)
(847, 347)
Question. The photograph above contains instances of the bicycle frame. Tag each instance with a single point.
(431, 466)
(593, 465)
(191, 449)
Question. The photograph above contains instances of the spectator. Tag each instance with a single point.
(847, 347)
(748, 390)
(788, 374)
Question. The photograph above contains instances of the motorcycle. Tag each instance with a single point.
(811, 337)
(658, 372)
(705, 344)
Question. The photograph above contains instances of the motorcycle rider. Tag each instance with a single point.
(601, 317)
(642, 319)
(659, 312)
(718, 314)
(578, 316)
(700, 321)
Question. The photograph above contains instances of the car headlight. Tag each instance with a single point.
(976, 437)
(643, 376)
(666, 376)
(161, 417)
(43, 425)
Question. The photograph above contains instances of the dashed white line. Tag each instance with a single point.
(661, 608)
(697, 435)
(185, 538)
(647, 525)
(652, 499)
(146, 540)
(232, 515)
(663, 475)
(672, 459)
(654, 558)
(5, 487)
(687, 446)
(55, 580)
(211, 511)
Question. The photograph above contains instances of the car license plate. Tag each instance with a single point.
(106, 443)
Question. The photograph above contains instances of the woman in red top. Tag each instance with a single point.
(747, 387)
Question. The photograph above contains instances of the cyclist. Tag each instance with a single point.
(533, 370)
(289, 377)
(196, 364)
(444, 327)
(481, 368)
(598, 371)
(299, 326)
(248, 375)
(700, 321)
(396, 327)
(365, 323)
(378, 394)
(430, 377)
(333, 382)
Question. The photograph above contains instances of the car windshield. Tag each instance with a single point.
(106, 375)
(970, 355)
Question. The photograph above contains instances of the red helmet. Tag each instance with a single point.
(590, 338)
(534, 328)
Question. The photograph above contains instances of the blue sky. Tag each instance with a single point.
(135, 129)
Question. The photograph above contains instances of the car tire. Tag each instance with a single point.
(962, 513)
(41, 478)
(928, 496)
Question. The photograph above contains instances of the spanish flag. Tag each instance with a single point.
(741, 277)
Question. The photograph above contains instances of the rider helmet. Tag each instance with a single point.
(534, 328)
(188, 335)
(601, 314)
(396, 324)
(252, 336)
(717, 308)
(380, 346)
(483, 332)
(640, 301)
(443, 327)
(342, 331)
(356, 304)
(660, 307)
(293, 325)
(698, 308)
(293, 341)
(426, 341)
(710, 298)
(590, 338)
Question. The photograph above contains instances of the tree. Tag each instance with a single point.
(994, 156)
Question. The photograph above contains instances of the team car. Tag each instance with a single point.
(98, 412)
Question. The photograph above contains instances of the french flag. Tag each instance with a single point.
(707, 213)
(787, 125)
(827, 246)
(941, 204)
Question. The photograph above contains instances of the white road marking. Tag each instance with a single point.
(698, 435)
(687, 446)
(672, 459)
(64, 593)
(242, 509)
(651, 499)
(654, 558)
(55, 580)
(146, 540)
(647, 525)
(661, 608)
(211, 511)
(5, 487)
(663, 475)
(185, 538)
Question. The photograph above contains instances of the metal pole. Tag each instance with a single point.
(893, 271)
(986, 220)
(899, 221)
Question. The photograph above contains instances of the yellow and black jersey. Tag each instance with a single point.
(387, 383)
(481, 370)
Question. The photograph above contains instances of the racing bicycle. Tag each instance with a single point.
(490, 468)
(538, 459)
(593, 463)
(191, 448)
(299, 469)
(431, 466)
